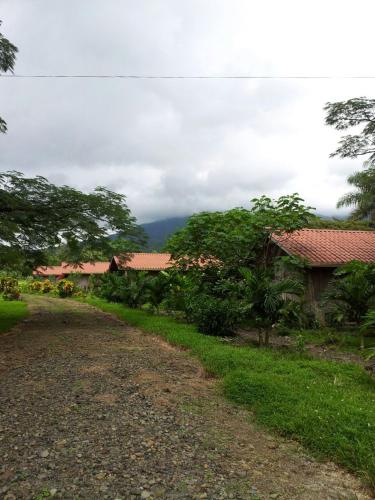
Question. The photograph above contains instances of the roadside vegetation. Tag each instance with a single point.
(329, 407)
(11, 313)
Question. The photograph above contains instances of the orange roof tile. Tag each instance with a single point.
(64, 268)
(328, 247)
(144, 261)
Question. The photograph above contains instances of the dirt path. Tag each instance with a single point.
(93, 409)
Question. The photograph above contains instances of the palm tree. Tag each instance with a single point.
(353, 290)
(266, 296)
(363, 199)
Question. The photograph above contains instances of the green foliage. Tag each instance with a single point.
(214, 316)
(363, 198)
(9, 288)
(239, 236)
(11, 313)
(39, 286)
(344, 224)
(37, 216)
(300, 344)
(352, 292)
(267, 297)
(8, 53)
(129, 288)
(65, 288)
(229, 262)
(353, 289)
(358, 112)
(327, 406)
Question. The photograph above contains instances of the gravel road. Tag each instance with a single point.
(91, 408)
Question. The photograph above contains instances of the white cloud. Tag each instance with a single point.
(180, 146)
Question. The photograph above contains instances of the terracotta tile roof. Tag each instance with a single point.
(144, 261)
(328, 247)
(64, 268)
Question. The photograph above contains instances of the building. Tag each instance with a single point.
(152, 262)
(64, 270)
(325, 250)
(137, 261)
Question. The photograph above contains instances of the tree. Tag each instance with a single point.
(214, 247)
(8, 53)
(358, 112)
(363, 198)
(36, 215)
(238, 237)
(353, 291)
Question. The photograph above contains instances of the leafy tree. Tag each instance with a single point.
(353, 291)
(357, 112)
(214, 247)
(238, 237)
(8, 53)
(36, 215)
(113, 247)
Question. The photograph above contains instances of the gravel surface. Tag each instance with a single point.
(91, 408)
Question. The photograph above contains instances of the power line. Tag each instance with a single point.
(198, 77)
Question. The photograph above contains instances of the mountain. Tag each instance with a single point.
(159, 231)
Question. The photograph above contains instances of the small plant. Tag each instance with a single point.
(300, 344)
(47, 286)
(36, 286)
(65, 288)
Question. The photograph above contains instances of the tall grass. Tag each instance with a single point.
(327, 406)
(11, 312)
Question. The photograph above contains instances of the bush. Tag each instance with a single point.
(65, 288)
(47, 286)
(36, 286)
(214, 316)
(9, 288)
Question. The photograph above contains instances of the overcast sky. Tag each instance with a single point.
(175, 147)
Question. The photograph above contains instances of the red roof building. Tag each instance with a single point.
(325, 250)
(328, 247)
(142, 262)
(65, 269)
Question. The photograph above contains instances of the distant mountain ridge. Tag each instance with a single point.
(159, 231)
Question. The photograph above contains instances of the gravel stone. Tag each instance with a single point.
(91, 408)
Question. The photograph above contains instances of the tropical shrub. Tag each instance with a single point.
(36, 286)
(9, 288)
(352, 293)
(47, 286)
(128, 288)
(213, 315)
(267, 298)
(109, 286)
(65, 288)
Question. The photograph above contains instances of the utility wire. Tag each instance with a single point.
(197, 77)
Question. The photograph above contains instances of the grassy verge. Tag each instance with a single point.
(329, 407)
(11, 312)
(346, 341)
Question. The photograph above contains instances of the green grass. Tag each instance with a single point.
(11, 312)
(347, 341)
(329, 407)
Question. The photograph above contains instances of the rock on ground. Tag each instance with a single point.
(91, 408)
